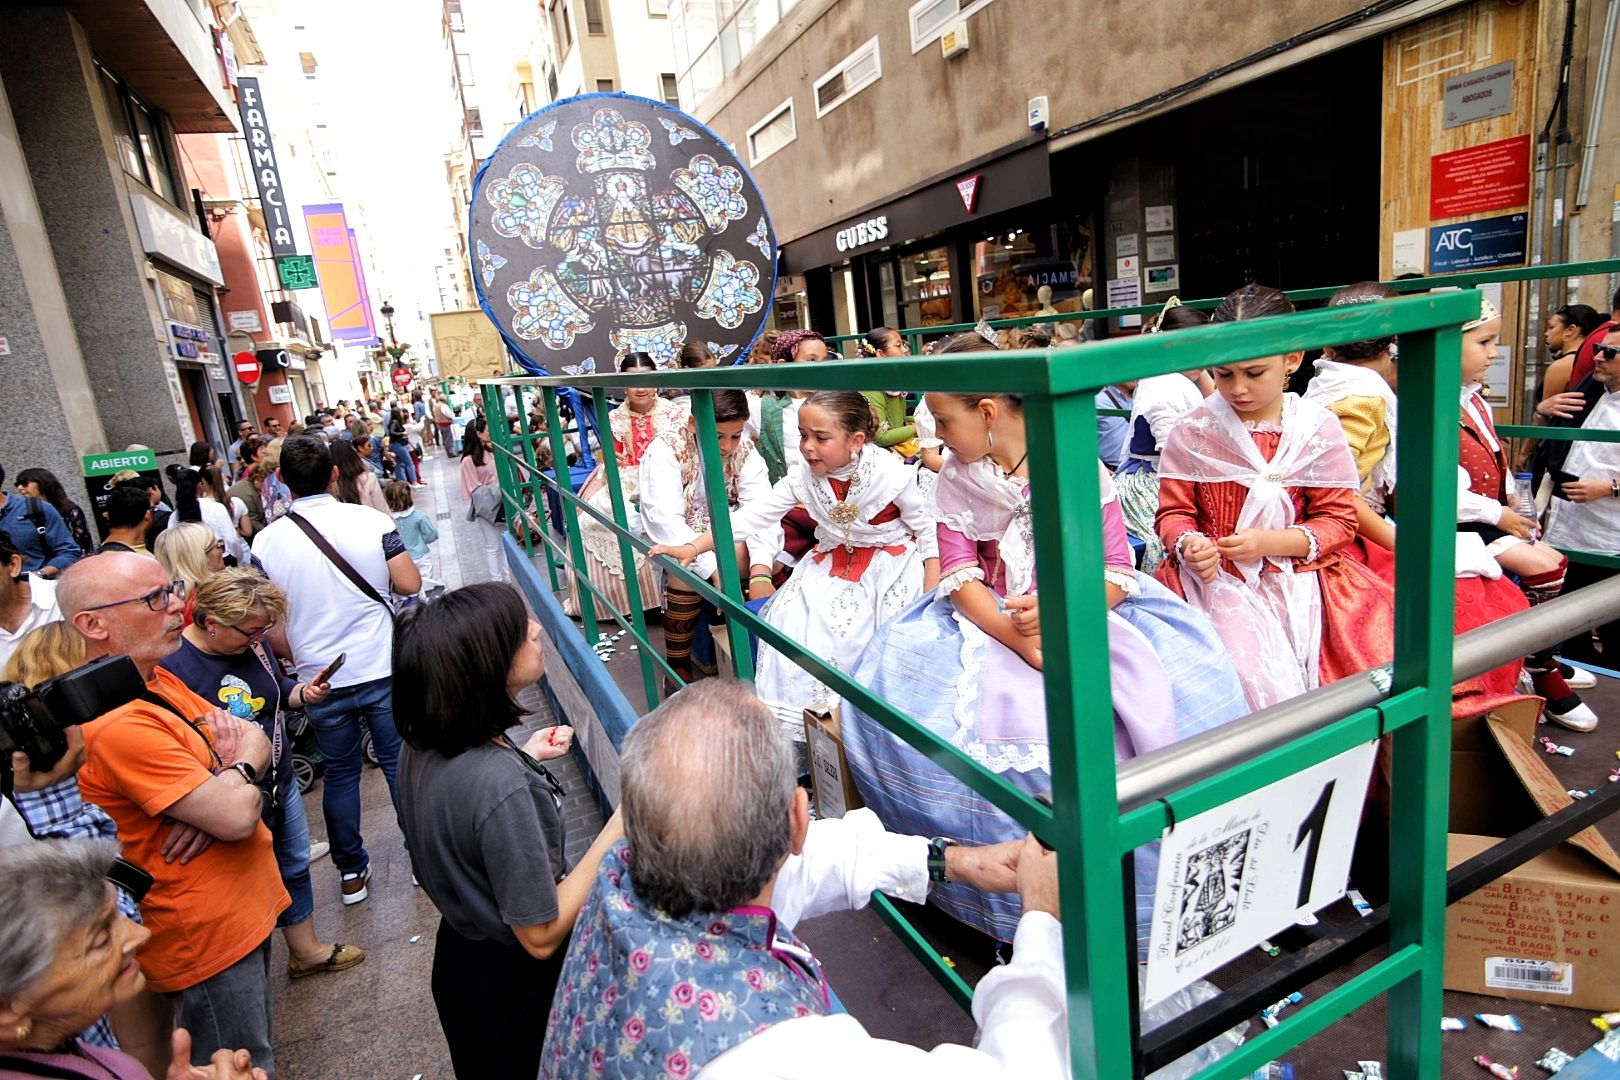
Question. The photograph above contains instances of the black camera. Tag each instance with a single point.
(36, 721)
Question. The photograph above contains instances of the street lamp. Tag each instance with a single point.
(388, 317)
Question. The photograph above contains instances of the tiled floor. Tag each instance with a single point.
(377, 1021)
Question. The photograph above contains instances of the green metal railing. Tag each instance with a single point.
(1083, 822)
(1467, 280)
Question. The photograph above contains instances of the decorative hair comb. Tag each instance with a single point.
(1158, 320)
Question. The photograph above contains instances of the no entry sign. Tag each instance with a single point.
(402, 377)
(247, 367)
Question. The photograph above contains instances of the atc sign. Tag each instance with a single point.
(1478, 245)
(266, 173)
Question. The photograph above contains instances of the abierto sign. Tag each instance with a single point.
(266, 172)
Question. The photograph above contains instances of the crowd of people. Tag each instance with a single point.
(1247, 534)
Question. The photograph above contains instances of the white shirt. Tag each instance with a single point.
(42, 609)
(1591, 526)
(664, 500)
(1472, 507)
(1019, 1007)
(327, 614)
(1161, 400)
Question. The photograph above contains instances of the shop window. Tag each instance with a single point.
(668, 90)
(849, 77)
(1023, 272)
(931, 18)
(925, 288)
(772, 133)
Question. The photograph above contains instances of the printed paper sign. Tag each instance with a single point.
(1126, 245)
(1161, 249)
(1128, 267)
(1161, 218)
(1231, 877)
(1125, 292)
(1163, 279)
(1409, 252)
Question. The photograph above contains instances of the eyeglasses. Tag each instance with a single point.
(1608, 352)
(253, 636)
(157, 599)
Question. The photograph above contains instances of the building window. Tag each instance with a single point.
(475, 121)
(143, 145)
(930, 19)
(551, 83)
(525, 98)
(658, 9)
(593, 17)
(849, 77)
(772, 133)
(562, 31)
(464, 69)
(668, 90)
(452, 9)
(604, 86)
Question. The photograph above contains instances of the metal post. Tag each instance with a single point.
(565, 481)
(1421, 751)
(627, 554)
(1067, 502)
(725, 550)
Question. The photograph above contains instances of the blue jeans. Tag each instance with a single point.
(230, 1011)
(338, 735)
(404, 464)
(291, 835)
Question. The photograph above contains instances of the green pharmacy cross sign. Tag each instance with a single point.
(297, 271)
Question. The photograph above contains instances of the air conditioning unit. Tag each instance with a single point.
(954, 42)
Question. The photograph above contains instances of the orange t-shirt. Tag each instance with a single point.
(204, 916)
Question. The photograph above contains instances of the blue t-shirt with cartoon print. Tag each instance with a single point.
(241, 686)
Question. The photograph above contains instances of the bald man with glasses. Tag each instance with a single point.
(182, 782)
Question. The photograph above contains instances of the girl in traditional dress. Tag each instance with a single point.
(1257, 497)
(1484, 475)
(641, 418)
(773, 424)
(874, 552)
(895, 431)
(675, 508)
(965, 662)
(1156, 404)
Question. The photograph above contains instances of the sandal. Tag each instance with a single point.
(341, 958)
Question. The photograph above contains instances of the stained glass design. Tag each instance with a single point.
(594, 238)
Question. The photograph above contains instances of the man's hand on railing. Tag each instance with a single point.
(681, 553)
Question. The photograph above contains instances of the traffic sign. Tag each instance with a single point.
(297, 271)
(402, 377)
(247, 367)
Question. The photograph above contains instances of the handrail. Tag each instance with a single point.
(1145, 779)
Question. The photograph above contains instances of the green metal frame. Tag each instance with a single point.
(1084, 823)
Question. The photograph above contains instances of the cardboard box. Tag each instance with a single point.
(835, 792)
(1548, 931)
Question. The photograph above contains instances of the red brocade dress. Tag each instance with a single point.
(1358, 613)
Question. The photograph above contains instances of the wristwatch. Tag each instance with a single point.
(936, 859)
(249, 773)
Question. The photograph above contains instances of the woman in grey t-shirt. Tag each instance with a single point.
(482, 819)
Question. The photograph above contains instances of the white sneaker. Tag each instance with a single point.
(318, 850)
(1580, 718)
(1578, 678)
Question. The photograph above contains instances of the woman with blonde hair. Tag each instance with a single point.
(224, 660)
(273, 494)
(45, 652)
(191, 553)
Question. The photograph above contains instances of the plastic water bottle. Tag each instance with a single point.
(1524, 501)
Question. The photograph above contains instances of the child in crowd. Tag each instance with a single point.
(1484, 509)
(675, 508)
(966, 661)
(417, 532)
(634, 425)
(1156, 404)
(874, 550)
(894, 430)
(1257, 497)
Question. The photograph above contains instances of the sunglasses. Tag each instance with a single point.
(1607, 352)
(157, 599)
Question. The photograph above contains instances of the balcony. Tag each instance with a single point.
(166, 52)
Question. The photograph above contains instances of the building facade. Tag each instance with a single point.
(950, 160)
(112, 325)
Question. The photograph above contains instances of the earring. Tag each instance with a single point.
(989, 438)
(24, 1030)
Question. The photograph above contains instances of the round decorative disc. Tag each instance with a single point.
(606, 224)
